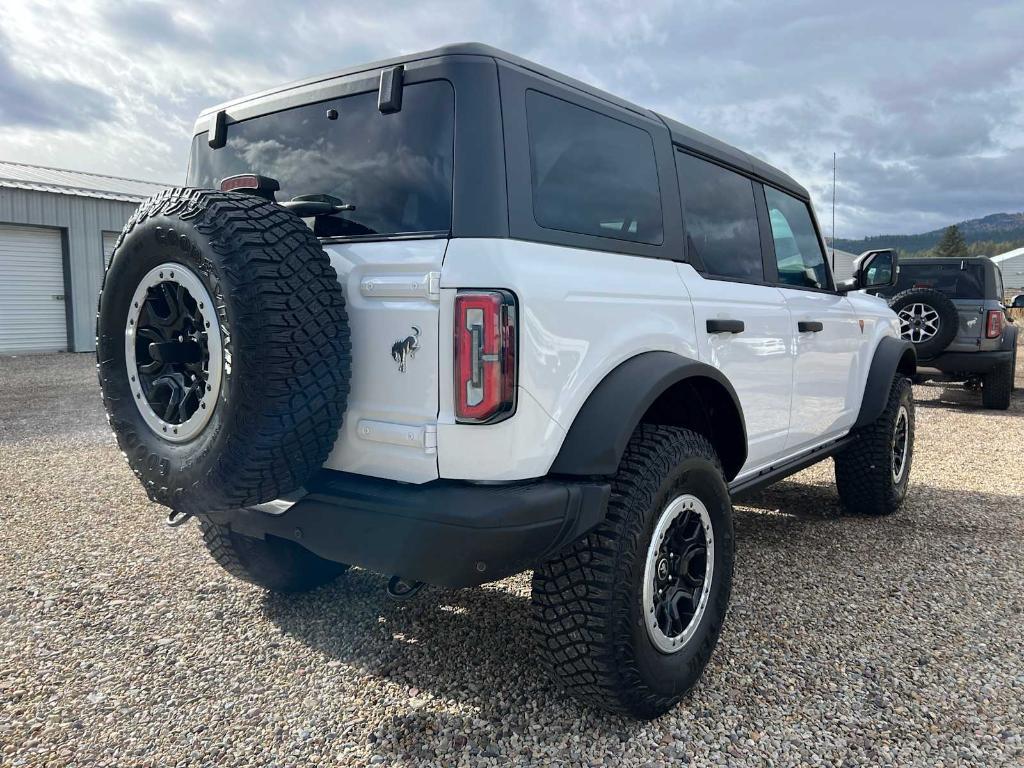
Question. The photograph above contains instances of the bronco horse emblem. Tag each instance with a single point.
(403, 349)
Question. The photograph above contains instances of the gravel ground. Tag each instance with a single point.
(850, 640)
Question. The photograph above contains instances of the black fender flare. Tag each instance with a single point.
(892, 355)
(1010, 337)
(598, 436)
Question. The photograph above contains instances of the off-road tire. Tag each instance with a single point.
(949, 319)
(997, 387)
(864, 470)
(275, 564)
(587, 601)
(286, 349)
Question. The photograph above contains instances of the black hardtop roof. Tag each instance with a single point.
(681, 134)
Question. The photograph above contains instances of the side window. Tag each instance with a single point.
(797, 248)
(592, 174)
(721, 220)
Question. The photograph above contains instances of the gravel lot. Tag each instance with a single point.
(850, 640)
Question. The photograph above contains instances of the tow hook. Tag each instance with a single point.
(176, 517)
(402, 589)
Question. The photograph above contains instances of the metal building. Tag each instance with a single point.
(57, 229)
(842, 264)
(1011, 264)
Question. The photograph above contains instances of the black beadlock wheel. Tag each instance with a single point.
(872, 474)
(223, 349)
(627, 618)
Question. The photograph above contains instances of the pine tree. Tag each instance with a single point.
(952, 244)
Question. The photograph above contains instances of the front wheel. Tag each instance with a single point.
(872, 474)
(627, 617)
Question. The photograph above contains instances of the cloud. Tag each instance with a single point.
(922, 101)
(47, 103)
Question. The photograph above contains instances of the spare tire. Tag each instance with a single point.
(928, 320)
(223, 349)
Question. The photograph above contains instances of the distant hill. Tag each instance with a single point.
(997, 228)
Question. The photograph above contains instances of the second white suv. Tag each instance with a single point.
(453, 316)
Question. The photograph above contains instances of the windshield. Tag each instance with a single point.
(947, 278)
(396, 169)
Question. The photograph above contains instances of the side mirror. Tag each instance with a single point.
(872, 270)
(1018, 302)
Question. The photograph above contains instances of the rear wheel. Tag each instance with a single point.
(997, 387)
(627, 618)
(872, 474)
(275, 564)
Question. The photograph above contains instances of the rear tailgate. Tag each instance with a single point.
(392, 294)
(971, 329)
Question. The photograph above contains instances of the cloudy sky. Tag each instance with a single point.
(922, 101)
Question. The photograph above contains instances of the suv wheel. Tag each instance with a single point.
(997, 387)
(627, 617)
(223, 349)
(872, 474)
(928, 319)
(275, 564)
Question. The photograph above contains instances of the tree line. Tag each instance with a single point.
(953, 245)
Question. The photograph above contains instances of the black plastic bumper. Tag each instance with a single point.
(967, 362)
(448, 533)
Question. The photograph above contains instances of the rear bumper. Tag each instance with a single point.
(448, 533)
(967, 362)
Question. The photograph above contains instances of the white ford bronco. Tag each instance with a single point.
(453, 316)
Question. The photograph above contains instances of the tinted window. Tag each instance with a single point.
(396, 169)
(721, 221)
(948, 278)
(797, 248)
(592, 174)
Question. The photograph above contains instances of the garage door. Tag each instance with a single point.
(32, 313)
(109, 238)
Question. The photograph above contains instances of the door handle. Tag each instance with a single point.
(810, 326)
(725, 326)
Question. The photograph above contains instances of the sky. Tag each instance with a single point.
(923, 102)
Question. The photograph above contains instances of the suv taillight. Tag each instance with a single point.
(994, 324)
(485, 356)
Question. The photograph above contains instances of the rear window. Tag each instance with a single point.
(949, 279)
(396, 169)
(592, 174)
(721, 220)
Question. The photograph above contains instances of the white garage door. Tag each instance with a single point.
(109, 238)
(32, 314)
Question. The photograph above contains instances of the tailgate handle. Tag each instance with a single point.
(810, 326)
(725, 326)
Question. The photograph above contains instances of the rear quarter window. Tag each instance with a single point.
(721, 219)
(592, 174)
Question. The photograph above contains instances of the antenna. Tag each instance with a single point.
(833, 212)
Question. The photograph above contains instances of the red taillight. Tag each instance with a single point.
(994, 324)
(263, 186)
(242, 181)
(485, 356)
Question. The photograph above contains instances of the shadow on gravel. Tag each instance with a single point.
(793, 499)
(956, 397)
(472, 646)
